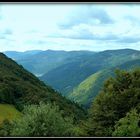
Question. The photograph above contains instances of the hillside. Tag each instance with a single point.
(8, 112)
(82, 92)
(116, 109)
(68, 76)
(19, 87)
(68, 72)
(87, 90)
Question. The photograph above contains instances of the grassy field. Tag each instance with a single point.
(8, 112)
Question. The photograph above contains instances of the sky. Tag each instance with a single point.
(94, 27)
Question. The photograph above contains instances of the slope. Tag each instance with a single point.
(19, 87)
(82, 92)
(8, 112)
(67, 76)
(85, 92)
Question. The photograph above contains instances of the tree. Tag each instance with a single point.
(119, 95)
(129, 125)
(43, 120)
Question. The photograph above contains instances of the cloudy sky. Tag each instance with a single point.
(93, 27)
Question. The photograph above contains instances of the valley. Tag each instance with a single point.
(69, 70)
(73, 73)
(82, 89)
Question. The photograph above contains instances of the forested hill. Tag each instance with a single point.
(19, 87)
(115, 111)
(66, 77)
(77, 75)
(88, 89)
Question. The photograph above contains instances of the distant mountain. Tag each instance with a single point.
(85, 92)
(68, 76)
(65, 71)
(19, 87)
(40, 62)
(20, 55)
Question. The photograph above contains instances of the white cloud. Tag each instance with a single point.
(93, 27)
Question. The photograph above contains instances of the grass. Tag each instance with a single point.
(82, 92)
(8, 112)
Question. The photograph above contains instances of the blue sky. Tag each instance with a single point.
(68, 27)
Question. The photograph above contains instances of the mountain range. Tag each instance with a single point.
(78, 75)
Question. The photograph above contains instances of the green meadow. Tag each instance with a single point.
(8, 112)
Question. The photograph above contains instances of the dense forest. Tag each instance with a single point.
(35, 109)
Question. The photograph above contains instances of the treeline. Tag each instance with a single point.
(114, 112)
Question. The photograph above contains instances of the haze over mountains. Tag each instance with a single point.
(78, 75)
(40, 62)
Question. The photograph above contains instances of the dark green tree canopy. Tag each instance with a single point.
(119, 95)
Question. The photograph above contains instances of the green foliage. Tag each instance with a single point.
(81, 93)
(108, 114)
(19, 87)
(43, 120)
(71, 69)
(5, 128)
(118, 96)
(128, 126)
(8, 112)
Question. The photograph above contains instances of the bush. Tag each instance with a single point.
(43, 120)
(128, 126)
(5, 128)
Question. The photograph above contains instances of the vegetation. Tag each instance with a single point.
(18, 87)
(65, 71)
(114, 112)
(8, 112)
(129, 126)
(30, 108)
(43, 120)
(5, 128)
(68, 76)
(87, 90)
(118, 97)
(81, 94)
